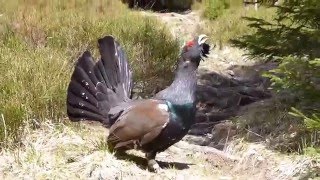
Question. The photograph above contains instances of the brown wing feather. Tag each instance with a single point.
(140, 124)
(151, 135)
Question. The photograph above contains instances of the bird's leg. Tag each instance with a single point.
(152, 163)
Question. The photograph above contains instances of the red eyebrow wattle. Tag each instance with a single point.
(190, 43)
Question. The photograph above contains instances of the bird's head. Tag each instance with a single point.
(196, 49)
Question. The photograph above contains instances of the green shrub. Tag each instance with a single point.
(226, 18)
(293, 40)
(300, 77)
(231, 25)
(293, 31)
(41, 40)
(214, 8)
(312, 122)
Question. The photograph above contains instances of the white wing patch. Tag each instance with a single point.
(165, 124)
(163, 107)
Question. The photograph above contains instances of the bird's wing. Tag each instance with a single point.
(140, 124)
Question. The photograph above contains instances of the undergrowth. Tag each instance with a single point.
(269, 121)
(291, 39)
(232, 25)
(41, 40)
(226, 19)
(289, 35)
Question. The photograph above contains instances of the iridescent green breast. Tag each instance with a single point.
(184, 114)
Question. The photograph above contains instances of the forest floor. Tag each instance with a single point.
(78, 151)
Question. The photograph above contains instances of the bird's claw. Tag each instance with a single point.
(155, 168)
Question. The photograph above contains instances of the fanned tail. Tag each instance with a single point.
(95, 88)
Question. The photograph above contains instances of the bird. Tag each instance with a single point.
(102, 91)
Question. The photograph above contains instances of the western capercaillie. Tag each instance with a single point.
(101, 92)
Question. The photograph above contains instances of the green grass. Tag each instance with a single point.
(230, 24)
(214, 8)
(41, 40)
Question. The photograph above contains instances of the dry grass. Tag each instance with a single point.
(259, 162)
(78, 151)
(269, 121)
(40, 41)
(57, 151)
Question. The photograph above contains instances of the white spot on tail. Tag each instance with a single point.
(163, 107)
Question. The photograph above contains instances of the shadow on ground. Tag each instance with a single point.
(142, 162)
(222, 97)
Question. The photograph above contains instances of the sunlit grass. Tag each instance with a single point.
(41, 40)
(231, 24)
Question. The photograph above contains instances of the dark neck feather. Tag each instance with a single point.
(182, 90)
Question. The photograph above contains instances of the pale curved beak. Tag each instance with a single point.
(202, 39)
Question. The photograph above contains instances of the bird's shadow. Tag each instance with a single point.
(142, 162)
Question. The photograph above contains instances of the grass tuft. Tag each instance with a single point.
(41, 40)
(231, 24)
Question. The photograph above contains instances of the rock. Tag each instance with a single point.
(251, 74)
(179, 5)
(254, 92)
(216, 80)
(198, 140)
(201, 117)
(205, 91)
(199, 132)
(146, 4)
(223, 130)
(245, 100)
(219, 116)
(225, 102)
(204, 125)
(218, 145)
(221, 133)
(221, 98)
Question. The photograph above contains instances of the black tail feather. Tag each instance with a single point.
(114, 60)
(86, 62)
(76, 114)
(78, 102)
(80, 91)
(96, 88)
